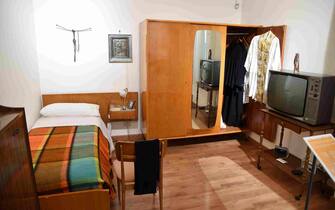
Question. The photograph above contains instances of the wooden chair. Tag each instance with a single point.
(123, 168)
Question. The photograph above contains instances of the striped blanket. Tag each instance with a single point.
(69, 158)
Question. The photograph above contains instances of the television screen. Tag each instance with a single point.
(206, 71)
(287, 93)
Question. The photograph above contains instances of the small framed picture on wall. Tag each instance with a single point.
(120, 48)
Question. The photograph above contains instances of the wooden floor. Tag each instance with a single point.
(190, 184)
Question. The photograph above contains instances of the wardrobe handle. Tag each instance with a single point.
(16, 132)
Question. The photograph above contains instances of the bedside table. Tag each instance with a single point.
(116, 113)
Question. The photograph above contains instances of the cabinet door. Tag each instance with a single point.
(255, 119)
(169, 64)
(18, 189)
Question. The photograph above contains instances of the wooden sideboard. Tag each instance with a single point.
(17, 181)
(292, 162)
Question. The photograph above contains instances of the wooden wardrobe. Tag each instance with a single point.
(166, 75)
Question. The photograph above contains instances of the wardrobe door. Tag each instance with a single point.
(205, 100)
(170, 61)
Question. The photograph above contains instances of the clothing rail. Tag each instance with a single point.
(237, 34)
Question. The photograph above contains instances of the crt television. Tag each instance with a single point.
(304, 96)
(210, 72)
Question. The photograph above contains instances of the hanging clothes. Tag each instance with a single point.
(263, 55)
(264, 44)
(235, 71)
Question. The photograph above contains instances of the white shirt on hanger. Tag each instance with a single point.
(251, 65)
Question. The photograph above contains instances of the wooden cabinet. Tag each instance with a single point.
(255, 119)
(18, 188)
(166, 75)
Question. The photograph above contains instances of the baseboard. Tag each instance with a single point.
(134, 137)
(125, 132)
(266, 143)
(183, 141)
(205, 139)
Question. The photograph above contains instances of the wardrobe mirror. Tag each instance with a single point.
(206, 77)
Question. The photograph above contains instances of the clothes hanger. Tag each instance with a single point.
(246, 44)
(269, 32)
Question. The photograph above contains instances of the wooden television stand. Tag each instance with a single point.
(292, 161)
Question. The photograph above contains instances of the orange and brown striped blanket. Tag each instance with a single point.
(70, 158)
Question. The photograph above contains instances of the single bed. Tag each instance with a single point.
(71, 160)
(70, 154)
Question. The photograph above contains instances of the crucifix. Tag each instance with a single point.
(75, 39)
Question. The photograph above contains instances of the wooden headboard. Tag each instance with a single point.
(102, 99)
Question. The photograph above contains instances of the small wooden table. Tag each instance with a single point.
(210, 89)
(116, 113)
(292, 162)
(323, 149)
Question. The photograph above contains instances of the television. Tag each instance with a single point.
(303, 96)
(210, 72)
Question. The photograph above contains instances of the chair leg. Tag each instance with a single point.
(160, 197)
(123, 200)
(118, 190)
(153, 198)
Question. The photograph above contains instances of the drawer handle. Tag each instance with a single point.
(16, 132)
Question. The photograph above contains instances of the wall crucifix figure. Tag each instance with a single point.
(75, 39)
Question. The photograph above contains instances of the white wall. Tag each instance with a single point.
(19, 77)
(308, 33)
(329, 66)
(92, 72)
(309, 24)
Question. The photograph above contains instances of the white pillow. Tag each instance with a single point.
(70, 109)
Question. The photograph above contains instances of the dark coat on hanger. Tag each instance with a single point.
(232, 110)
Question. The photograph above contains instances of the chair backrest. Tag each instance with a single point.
(125, 150)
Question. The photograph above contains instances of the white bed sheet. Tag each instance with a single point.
(75, 121)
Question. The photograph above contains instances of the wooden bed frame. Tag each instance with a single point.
(102, 99)
(95, 199)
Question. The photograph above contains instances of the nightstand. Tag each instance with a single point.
(116, 113)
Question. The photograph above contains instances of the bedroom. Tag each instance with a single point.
(37, 59)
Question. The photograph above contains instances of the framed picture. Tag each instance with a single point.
(120, 48)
